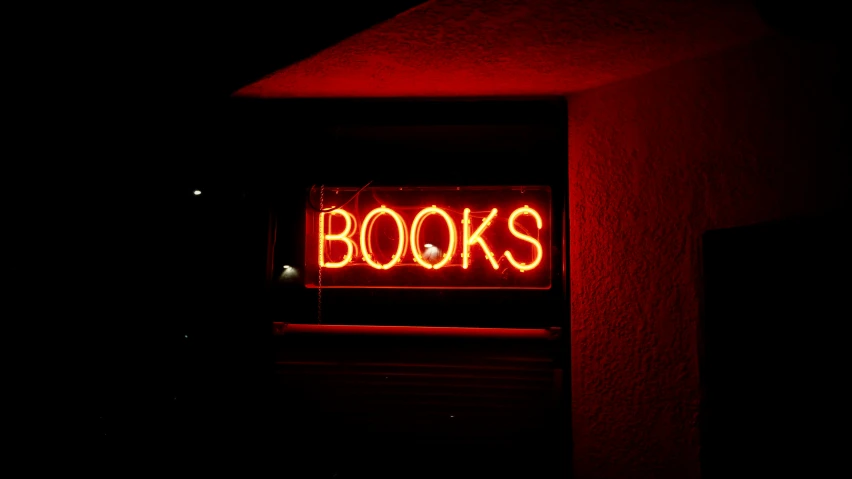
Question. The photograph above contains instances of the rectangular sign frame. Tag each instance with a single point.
(458, 237)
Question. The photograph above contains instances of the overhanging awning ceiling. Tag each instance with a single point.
(447, 48)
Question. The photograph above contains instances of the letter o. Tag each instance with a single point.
(366, 230)
(415, 236)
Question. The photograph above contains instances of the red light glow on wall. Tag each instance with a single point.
(429, 237)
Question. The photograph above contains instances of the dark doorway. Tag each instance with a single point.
(775, 312)
(386, 406)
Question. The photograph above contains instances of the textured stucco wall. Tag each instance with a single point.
(743, 136)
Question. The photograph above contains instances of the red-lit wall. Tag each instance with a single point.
(745, 136)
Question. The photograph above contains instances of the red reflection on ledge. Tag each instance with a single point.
(287, 328)
(429, 237)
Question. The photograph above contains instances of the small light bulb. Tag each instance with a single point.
(196, 192)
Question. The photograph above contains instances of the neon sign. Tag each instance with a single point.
(435, 237)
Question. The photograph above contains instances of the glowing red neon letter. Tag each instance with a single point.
(526, 210)
(415, 236)
(342, 236)
(367, 228)
(469, 240)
